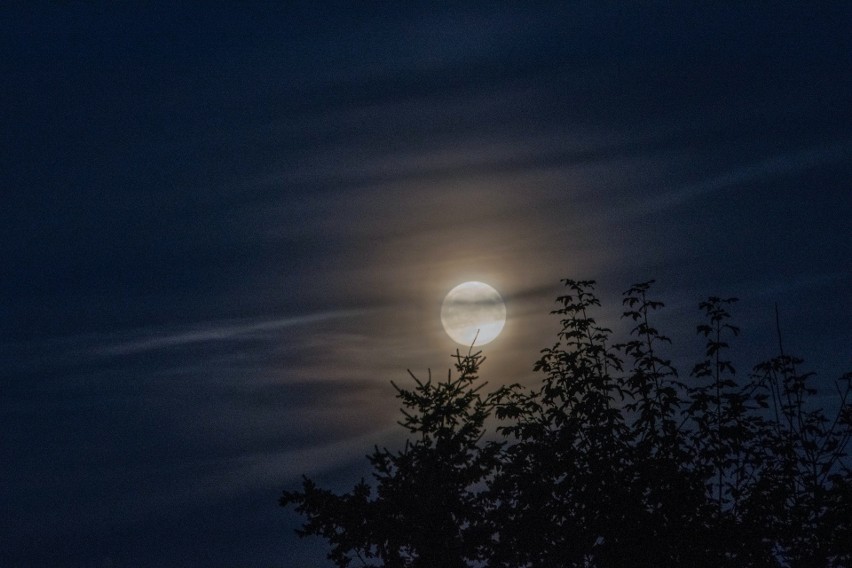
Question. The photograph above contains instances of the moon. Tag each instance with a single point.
(473, 311)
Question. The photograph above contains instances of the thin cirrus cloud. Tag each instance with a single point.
(154, 341)
(65, 352)
(773, 167)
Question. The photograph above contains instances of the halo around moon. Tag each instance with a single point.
(473, 311)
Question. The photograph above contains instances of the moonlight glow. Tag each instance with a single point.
(471, 308)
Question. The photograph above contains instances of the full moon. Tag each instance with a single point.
(473, 311)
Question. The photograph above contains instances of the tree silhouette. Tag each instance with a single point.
(426, 506)
(612, 461)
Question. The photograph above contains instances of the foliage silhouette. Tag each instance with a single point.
(612, 461)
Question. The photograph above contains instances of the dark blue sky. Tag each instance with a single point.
(225, 227)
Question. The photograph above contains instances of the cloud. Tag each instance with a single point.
(204, 333)
(264, 469)
(774, 167)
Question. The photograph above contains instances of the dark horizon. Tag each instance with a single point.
(227, 228)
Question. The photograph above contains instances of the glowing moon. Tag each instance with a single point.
(471, 308)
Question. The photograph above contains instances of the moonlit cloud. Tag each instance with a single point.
(154, 340)
(762, 171)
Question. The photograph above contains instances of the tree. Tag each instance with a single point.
(611, 461)
(425, 508)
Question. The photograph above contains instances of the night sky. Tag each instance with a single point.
(226, 226)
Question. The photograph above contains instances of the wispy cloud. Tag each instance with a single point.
(776, 166)
(205, 333)
(269, 468)
(38, 355)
